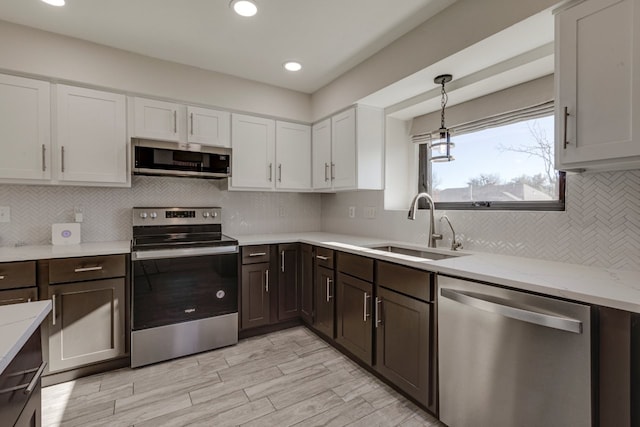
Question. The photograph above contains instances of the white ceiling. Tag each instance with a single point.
(327, 36)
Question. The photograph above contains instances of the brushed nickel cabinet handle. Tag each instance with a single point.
(44, 162)
(270, 172)
(257, 254)
(364, 308)
(85, 269)
(322, 258)
(266, 281)
(329, 282)
(378, 304)
(280, 172)
(35, 379)
(282, 260)
(566, 115)
(62, 158)
(53, 309)
(326, 172)
(333, 171)
(175, 121)
(2, 277)
(191, 117)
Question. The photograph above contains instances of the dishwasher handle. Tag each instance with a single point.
(542, 319)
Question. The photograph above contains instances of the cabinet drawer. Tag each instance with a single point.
(17, 274)
(67, 270)
(18, 296)
(255, 254)
(409, 281)
(355, 265)
(324, 257)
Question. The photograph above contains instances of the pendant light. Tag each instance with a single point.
(441, 144)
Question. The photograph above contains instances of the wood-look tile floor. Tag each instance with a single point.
(286, 378)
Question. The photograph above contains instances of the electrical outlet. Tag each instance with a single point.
(5, 214)
(281, 211)
(352, 211)
(78, 213)
(370, 212)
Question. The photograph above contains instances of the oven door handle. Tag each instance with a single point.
(182, 253)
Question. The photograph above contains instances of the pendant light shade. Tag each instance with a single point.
(441, 144)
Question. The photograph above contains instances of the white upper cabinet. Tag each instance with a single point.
(348, 151)
(168, 121)
(25, 129)
(293, 156)
(91, 137)
(158, 119)
(321, 155)
(598, 85)
(253, 155)
(208, 127)
(343, 150)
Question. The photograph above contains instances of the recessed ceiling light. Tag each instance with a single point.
(292, 66)
(54, 2)
(244, 7)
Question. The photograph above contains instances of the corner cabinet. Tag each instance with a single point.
(598, 85)
(348, 151)
(25, 129)
(91, 136)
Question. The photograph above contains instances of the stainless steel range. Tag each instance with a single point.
(185, 284)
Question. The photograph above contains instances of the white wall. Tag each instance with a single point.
(107, 211)
(457, 27)
(600, 227)
(34, 52)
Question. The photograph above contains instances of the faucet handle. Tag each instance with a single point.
(456, 244)
(436, 236)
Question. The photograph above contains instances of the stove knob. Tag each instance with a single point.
(215, 214)
(153, 215)
(206, 214)
(143, 215)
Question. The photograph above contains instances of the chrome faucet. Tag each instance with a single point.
(455, 243)
(412, 215)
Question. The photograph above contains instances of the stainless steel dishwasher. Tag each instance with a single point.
(508, 358)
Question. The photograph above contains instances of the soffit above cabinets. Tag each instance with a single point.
(328, 37)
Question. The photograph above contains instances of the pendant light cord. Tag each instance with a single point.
(443, 103)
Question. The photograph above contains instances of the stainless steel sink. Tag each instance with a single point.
(415, 252)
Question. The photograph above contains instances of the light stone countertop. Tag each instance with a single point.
(17, 323)
(607, 287)
(28, 253)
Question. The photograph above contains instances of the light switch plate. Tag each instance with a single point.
(370, 212)
(352, 211)
(5, 214)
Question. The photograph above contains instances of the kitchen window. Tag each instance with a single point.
(504, 162)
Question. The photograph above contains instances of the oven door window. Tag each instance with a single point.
(174, 290)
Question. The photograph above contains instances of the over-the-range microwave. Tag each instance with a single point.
(151, 157)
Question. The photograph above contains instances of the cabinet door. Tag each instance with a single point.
(325, 301)
(209, 127)
(403, 331)
(25, 128)
(289, 282)
(306, 283)
(321, 155)
(293, 156)
(91, 136)
(354, 325)
(158, 119)
(87, 323)
(253, 155)
(343, 150)
(598, 82)
(255, 295)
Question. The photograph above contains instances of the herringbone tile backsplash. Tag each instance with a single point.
(107, 211)
(600, 227)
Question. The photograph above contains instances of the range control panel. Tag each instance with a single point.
(176, 216)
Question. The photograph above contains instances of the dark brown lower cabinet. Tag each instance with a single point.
(288, 282)
(306, 283)
(17, 296)
(87, 323)
(20, 384)
(403, 331)
(325, 301)
(353, 313)
(255, 307)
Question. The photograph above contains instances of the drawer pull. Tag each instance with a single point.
(258, 254)
(1, 277)
(85, 269)
(35, 379)
(323, 258)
